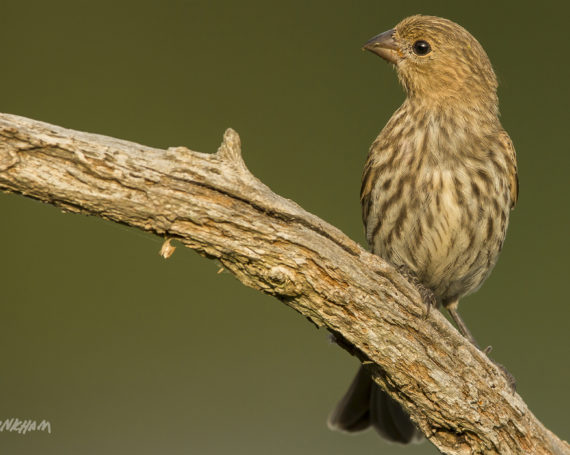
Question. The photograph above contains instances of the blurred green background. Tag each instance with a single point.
(124, 352)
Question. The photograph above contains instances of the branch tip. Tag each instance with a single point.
(230, 149)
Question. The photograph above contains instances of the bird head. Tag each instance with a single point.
(437, 59)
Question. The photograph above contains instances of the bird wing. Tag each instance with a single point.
(368, 181)
(512, 167)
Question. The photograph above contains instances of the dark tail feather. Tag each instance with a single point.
(365, 404)
(352, 413)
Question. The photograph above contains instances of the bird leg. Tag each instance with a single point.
(426, 293)
(452, 308)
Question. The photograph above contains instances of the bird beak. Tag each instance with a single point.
(385, 46)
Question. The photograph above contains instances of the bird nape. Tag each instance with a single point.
(438, 185)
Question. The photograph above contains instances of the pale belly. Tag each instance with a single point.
(448, 236)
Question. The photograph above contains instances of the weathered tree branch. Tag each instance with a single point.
(213, 204)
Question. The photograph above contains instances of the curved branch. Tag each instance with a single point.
(213, 204)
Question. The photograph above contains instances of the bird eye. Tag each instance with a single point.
(421, 47)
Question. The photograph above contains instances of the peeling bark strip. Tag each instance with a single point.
(214, 205)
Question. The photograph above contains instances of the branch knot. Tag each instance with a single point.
(8, 159)
(283, 280)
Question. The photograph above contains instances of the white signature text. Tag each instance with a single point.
(15, 425)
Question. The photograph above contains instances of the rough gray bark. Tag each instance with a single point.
(213, 204)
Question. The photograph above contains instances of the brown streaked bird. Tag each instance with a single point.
(438, 185)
